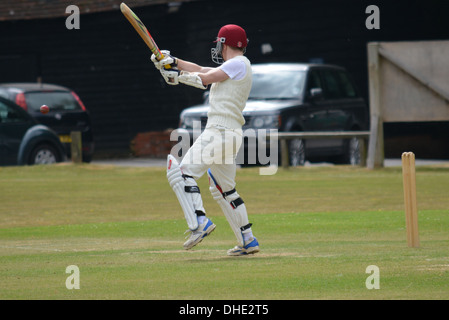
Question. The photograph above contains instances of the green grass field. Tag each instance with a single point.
(319, 229)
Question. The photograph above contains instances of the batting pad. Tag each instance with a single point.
(188, 194)
(232, 206)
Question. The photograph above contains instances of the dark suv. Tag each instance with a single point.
(67, 111)
(301, 97)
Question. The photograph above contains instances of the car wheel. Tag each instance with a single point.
(297, 152)
(44, 154)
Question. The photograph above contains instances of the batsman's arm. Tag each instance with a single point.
(212, 76)
(191, 67)
(206, 74)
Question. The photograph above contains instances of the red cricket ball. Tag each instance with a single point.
(44, 109)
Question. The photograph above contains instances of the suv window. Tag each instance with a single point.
(333, 88)
(277, 85)
(314, 80)
(347, 86)
(57, 101)
(338, 85)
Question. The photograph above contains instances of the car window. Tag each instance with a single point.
(56, 100)
(8, 114)
(347, 86)
(277, 85)
(333, 89)
(4, 93)
(314, 80)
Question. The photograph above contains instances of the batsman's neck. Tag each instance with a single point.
(229, 52)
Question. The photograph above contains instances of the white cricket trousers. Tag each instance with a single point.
(216, 148)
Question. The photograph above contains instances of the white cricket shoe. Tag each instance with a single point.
(198, 235)
(250, 248)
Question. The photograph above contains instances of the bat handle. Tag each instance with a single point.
(159, 57)
(167, 66)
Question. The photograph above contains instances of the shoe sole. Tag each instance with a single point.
(251, 250)
(208, 232)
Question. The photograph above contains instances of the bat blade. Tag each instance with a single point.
(141, 30)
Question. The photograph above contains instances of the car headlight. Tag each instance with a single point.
(270, 121)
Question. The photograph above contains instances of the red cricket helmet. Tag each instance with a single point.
(234, 36)
(231, 35)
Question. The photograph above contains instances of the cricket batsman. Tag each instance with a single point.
(230, 86)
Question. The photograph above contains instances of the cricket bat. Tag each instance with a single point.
(142, 31)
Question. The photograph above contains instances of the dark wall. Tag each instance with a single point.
(109, 66)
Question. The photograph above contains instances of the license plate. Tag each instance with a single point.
(65, 139)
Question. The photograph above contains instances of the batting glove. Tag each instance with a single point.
(170, 76)
(167, 60)
(191, 79)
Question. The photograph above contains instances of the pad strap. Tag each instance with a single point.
(192, 189)
(225, 194)
(235, 203)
